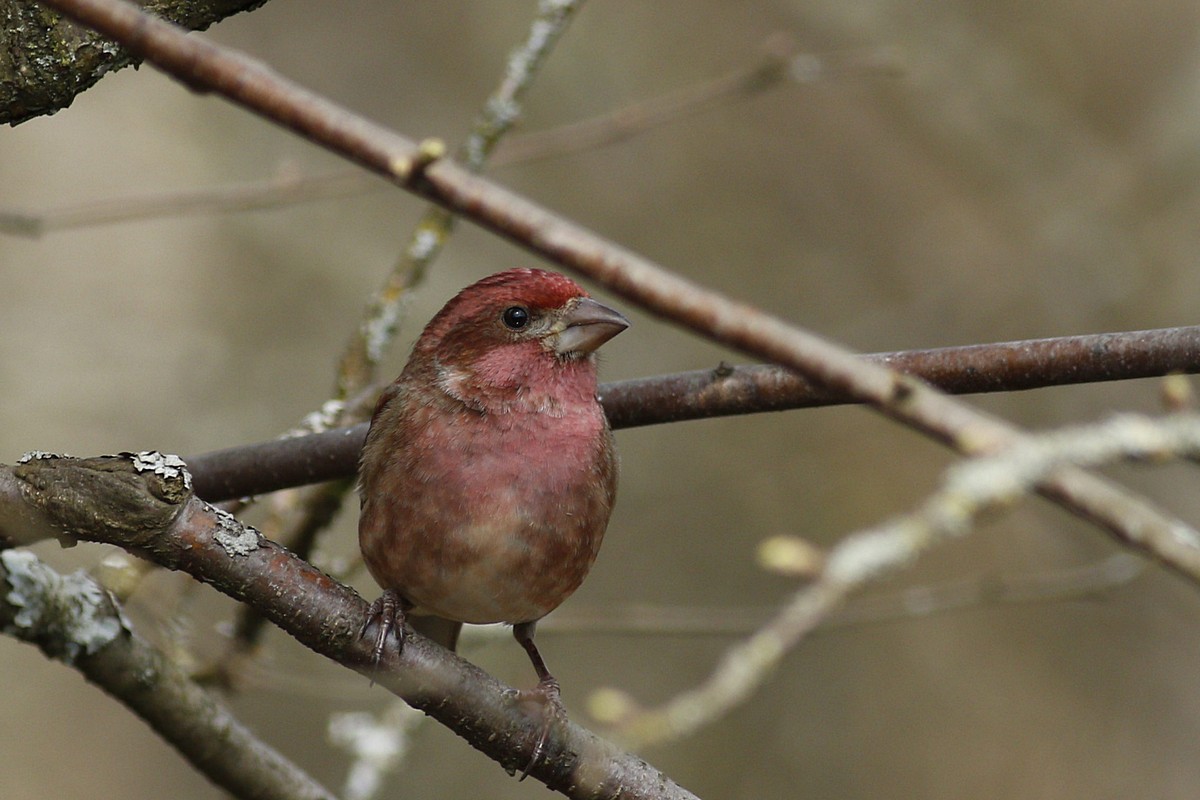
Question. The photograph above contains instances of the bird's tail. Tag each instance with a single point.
(443, 631)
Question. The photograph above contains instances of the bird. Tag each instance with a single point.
(489, 471)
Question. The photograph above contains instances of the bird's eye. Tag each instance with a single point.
(515, 317)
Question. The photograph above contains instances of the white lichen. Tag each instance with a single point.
(39, 455)
(320, 420)
(235, 538)
(377, 745)
(164, 465)
(73, 607)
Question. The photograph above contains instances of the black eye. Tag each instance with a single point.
(515, 317)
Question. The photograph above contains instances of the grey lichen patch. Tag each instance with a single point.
(69, 615)
(164, 465)
(319, 421)
(235, 538)
(40, 455)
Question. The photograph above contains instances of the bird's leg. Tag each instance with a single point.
(388, 613)
(546, 694)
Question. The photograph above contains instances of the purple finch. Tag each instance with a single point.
(489, 471)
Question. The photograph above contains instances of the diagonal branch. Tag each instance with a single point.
(968, 490)
(778, 63)
(72, 619)
(132, 502)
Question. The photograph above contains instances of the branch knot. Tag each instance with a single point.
(138, 494)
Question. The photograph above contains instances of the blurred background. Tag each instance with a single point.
(1032, 171)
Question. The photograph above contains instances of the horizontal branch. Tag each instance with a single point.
(1006, 366)
(131, 502)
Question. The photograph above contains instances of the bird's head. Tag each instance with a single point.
(522, 332)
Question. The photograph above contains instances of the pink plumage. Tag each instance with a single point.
(489, 472)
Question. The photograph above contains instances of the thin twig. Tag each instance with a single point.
(968, 489)
(286, 188)
(356, 369)
(1068, 583)
(778, 64)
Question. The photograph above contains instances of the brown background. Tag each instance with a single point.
(1032, 173)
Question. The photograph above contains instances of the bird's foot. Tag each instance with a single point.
(546, 696)
(387, 614)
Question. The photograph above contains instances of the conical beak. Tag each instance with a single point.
(585, 326)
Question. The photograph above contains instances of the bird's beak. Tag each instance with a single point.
(585, 326)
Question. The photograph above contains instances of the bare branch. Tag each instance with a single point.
(779, 64)
(1005, 366)
(285, 187)
(636, 619)
(72, 619)
(970, 369)
(127, 502)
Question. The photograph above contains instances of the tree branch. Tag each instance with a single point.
(143, 504)
(778, 64)
(1006, 366)
(73, 619)
(968, 489)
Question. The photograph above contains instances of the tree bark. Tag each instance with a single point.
(46, 60)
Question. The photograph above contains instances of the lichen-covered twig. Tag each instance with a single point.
(72, 619)
(968, 489)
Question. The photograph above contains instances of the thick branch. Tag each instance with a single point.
(46, 60)
(72, 619)
(162, 521)
(1006, 366)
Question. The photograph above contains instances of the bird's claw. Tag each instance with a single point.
(547, 696)
(387, 613)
